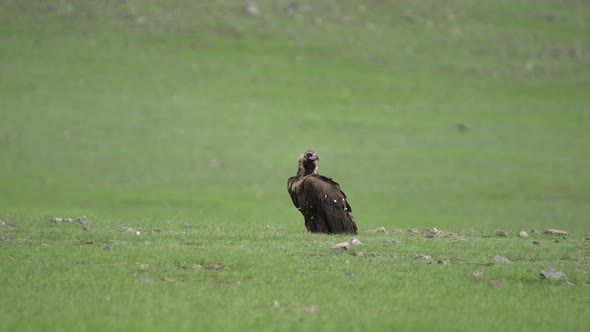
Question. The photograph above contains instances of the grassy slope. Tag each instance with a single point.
(159, 116)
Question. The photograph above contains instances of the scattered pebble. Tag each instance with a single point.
(476, 274)
(461, 127)
(378, 230)
(2, 222)
(251, 9)
(486, 236)
(501, 259)
(11, 259)
(359, 254)
(147, 280)
(552, 231)
(56, 219)
(275, 304)
(556, 241)
(535, 231)
(523, 234)
(502, 233)
(497, 283)
(443, 261)
(5, 238)
(87, 228)
(420, 257)
(413, 231)
(536, 242)
(128, 229)
(375, 254)
(390, 241)
(551, 273)
(584, 245)
(310, 308)
(354, 240)
(70, 220)
(430, 233)
(342, 246)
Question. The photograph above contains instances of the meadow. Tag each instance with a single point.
(174, 125)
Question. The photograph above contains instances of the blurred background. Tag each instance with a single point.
(454, 114)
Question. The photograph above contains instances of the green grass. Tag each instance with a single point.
(158, 115)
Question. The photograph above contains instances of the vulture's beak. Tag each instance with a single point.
(314, 157)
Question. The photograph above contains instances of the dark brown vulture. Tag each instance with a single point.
(320, 199)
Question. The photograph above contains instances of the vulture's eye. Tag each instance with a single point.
(309, 155)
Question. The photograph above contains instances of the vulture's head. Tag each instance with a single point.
(308, 162)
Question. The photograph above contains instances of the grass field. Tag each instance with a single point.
(184, 119)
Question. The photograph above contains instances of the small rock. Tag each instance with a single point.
(142, 267)
(87, 228)
(354, 240)
(275, 304)
(378, 230)
(413, 231)
(486, 236)
(70, 220)
(556, 241)
(430, 233)
(535, 231)
(11, 259)
(461, 127)
(5, 238)
(2, 222)
(536, 242)
(551, 273)
(56, 219)
(251, 9)
(342, 246)
(584, 245)
(188, 226)
(359, 254)
(523, 234)
(82, 220)
(390, 241)
(501, 259)
(477, 274)
(497, 283)
(375, 254)
(552, 231)
(349, 275)
(502, 233)
(420, 257)
(443, 261)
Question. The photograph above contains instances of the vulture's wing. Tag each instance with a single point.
(290, 187)
(326, 204)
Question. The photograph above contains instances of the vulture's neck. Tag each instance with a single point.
(306, 168)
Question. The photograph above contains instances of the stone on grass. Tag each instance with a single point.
(536, 242)
(523, 234)
(584, 245)
(342, 246)
(502, 233)
(354, 240)
(551, 273)
(128, 229)
(5, 238)
(275, 304)
(535, 231)
(420, 257)
(56, 219)
(390, 241)
(430, 233)
(501, 259)
(552, 231)
(443, 261)
(378, 230)
(476, 274)
(82, 220)
(413, 231)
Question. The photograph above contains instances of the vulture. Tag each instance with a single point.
(319, 198)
